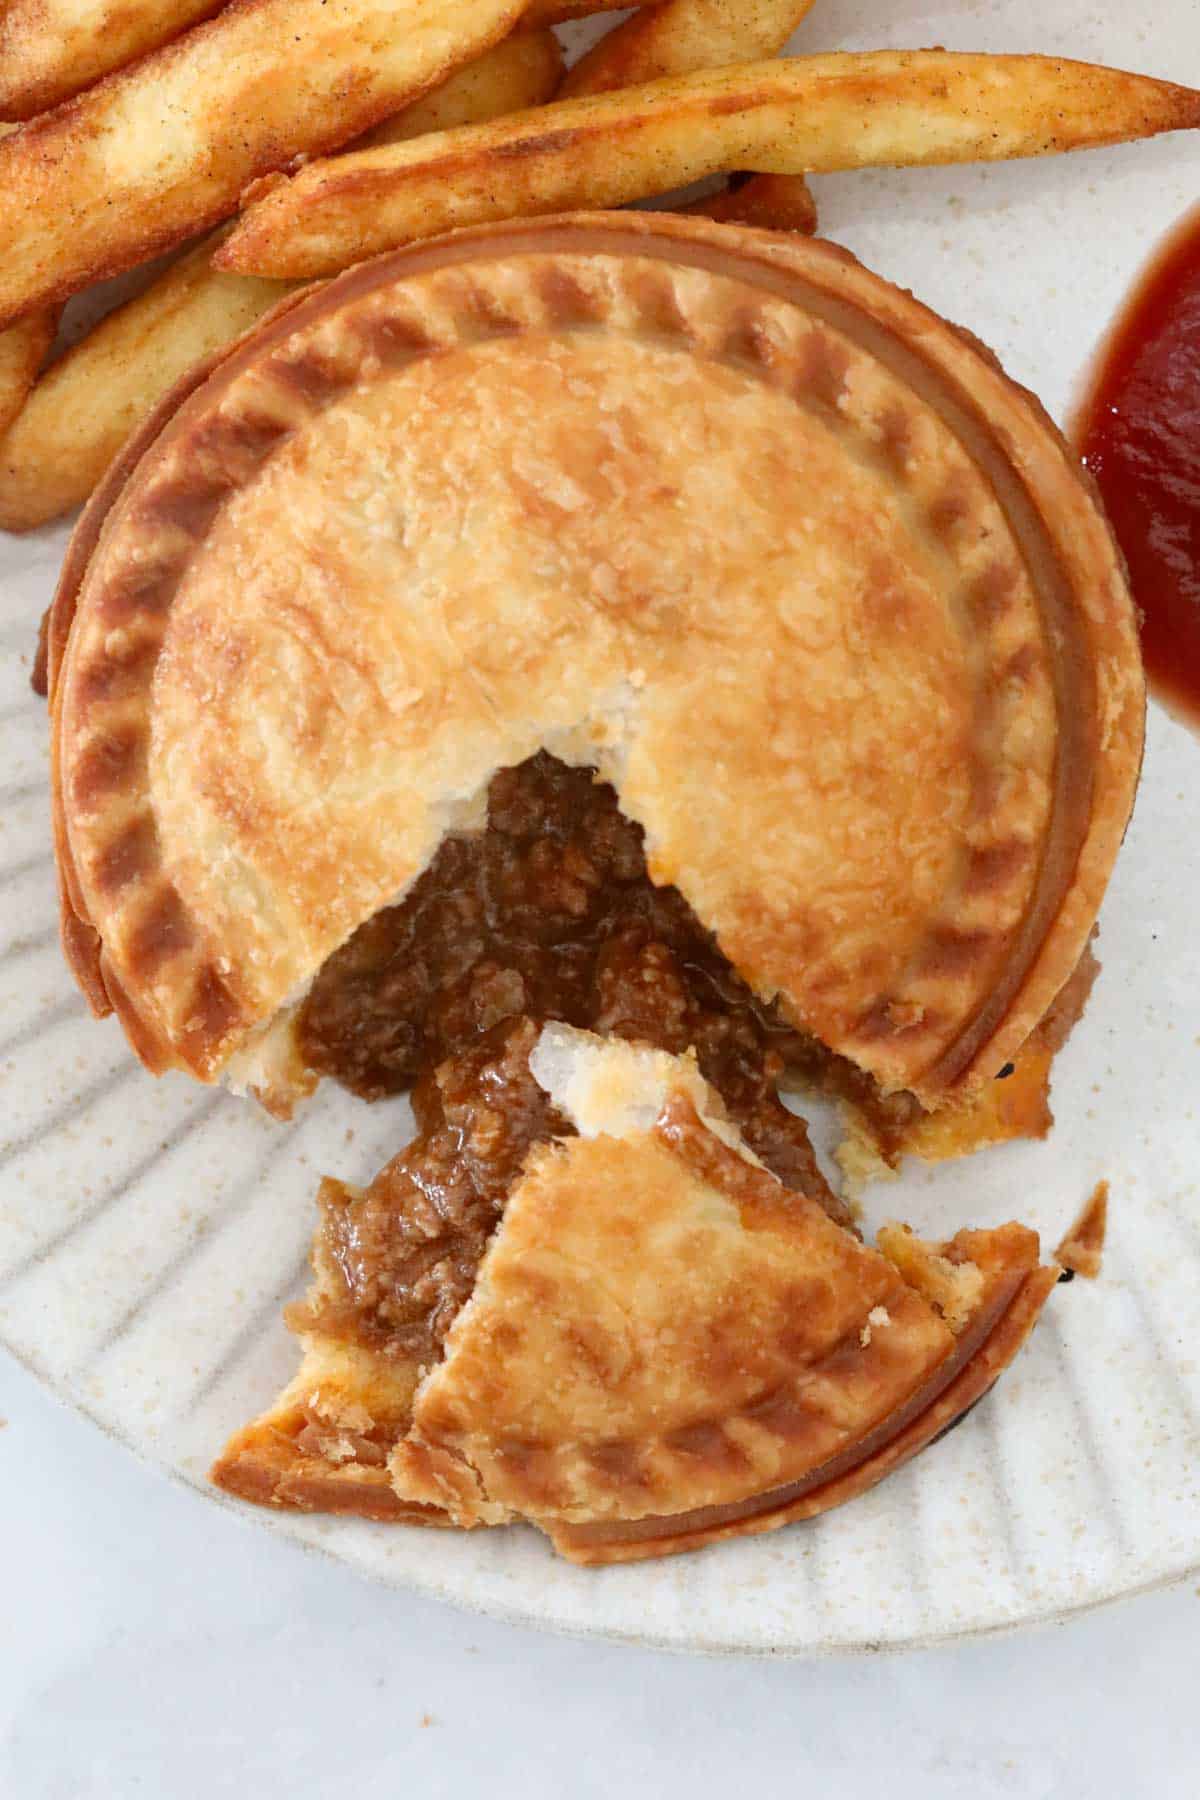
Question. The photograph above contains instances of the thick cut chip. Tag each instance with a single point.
(770, 202)
(23, 348)
(160, 151)
(519, 72)
(803, 115)
(51, 49)
(682, 36)
(687, 35)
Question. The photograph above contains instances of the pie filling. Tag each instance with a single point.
(550, 914)
(396, 1260)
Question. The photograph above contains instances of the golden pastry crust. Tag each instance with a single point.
(659, 1328)
(323, 1446)
(786, 556)
(975, 1366)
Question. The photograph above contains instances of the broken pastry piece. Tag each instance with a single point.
(579, 1300)
(1082, 1249)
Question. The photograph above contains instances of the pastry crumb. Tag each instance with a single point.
(1082, 1250)
(878, 1316)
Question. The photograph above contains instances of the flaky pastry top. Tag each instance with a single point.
(783, 555)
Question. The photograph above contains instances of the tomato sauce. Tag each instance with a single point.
(1139, 433)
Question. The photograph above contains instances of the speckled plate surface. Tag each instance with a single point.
(151, 1231)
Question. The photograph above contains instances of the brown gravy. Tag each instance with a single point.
(550, 914)
(396, 1260)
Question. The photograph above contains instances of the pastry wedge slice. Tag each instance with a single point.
(580, 1301)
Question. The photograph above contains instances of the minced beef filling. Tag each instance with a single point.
(395, 1261)
(550, 914)
(547, 914)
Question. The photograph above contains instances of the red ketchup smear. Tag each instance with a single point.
(1139, 433)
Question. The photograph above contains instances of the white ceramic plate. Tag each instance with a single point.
(151, 1231)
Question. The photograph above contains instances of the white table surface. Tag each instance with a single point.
(156, 1646)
